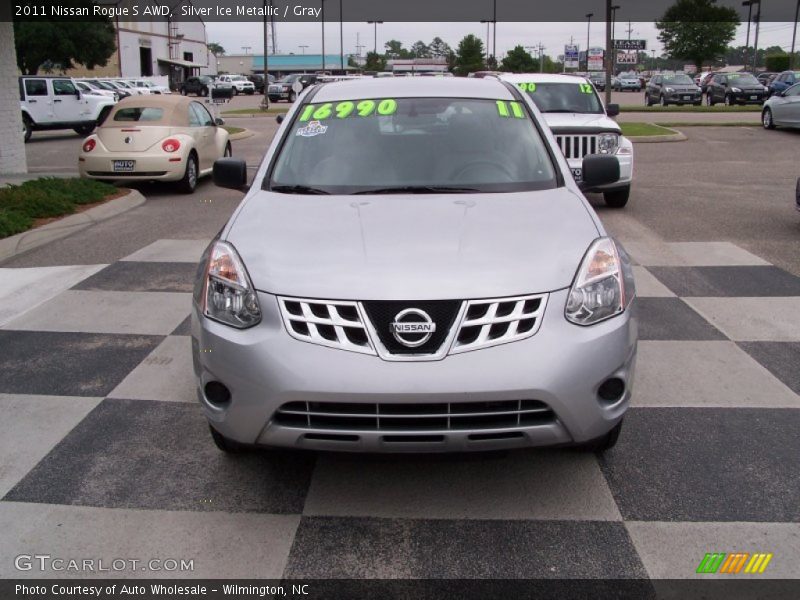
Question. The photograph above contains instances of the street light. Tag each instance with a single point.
(794, 34)
(755, 39)
(614, 10)
(265, 100)
(322, 15)
(341, 37)
(303, 47)
(588, 30)
(488, 24)
(376, 23)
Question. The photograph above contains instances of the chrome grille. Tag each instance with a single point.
(577, 146)
(491, 322)
(346, 416)
(336, 324)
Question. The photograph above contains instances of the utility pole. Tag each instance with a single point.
(588, 32)
(794, 33)
(322, 14)
(609, 59)
(488, 38)
(265, 100)
(541, 57)
(755, 40)
(494, 37)
(303, 47)
(629, 30)
(749, 5)
(376, 23)
(341, 36)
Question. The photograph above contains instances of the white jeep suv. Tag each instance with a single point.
(57, 103)
(581, 124)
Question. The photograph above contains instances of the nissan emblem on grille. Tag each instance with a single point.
(412, 327)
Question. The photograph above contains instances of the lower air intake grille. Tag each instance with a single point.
(343, 416)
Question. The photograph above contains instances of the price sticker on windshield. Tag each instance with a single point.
(343, 110)
(510, 109)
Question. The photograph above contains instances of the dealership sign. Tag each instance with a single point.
(630, 44)
(627, 58)
(571, 56)
(596, 56)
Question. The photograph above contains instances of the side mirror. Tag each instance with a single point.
(612, 110)
(280, 118)
(598, 169)
(231, 173)
(219, 121)
(78, 93)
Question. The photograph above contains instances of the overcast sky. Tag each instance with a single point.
(234, 36)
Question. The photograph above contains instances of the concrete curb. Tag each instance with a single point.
(22, 242)
(253, 116)
(655, 139)
(242, 135)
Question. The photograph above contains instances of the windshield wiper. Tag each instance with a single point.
(419, 189)
(297, 189)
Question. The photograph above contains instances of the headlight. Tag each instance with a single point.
(228, 294)
(669, 90)
(736, 90)
(607, 143)
(603, 285)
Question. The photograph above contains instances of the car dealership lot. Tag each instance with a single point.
(103, 436)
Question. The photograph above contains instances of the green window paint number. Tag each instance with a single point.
(515, 109)
(586, 88)
(527, 87)
(342, 110)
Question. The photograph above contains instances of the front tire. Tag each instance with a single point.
(188, 184)
(664, 101)
(617, 198)
(728, 100)
(292, 97)
(647, 99)
(27, 129)
(603, 443)
(224, 444)
(235, 92)
(766, 119)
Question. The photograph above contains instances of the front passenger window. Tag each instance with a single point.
(63, 87)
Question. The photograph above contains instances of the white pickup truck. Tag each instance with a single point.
(57, 103)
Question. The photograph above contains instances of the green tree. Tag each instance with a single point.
(420, 50)
(519, 60)
(394, 49)
(375, 62)
(62, 43)
(697, 30)
(215, 49)
(469, 56)
(438, 48)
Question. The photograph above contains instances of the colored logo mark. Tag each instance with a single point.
(734, 563)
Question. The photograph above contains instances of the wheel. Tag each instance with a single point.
(664, 101)
(617, 198)
(224, 444)
(292, 96)
(235, 92)
(27, 128)
(228, 151)
(647, 99)
(188, 183)
(728, 100)
(766, 119)
(603, 443)
(710, 99)
(203, 91)
(183, 91)
(84, 129)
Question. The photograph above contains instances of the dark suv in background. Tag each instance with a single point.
(285, 89)
(198, 86)
(735, 88)
(258, 81)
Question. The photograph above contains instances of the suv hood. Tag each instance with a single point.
(419, 247)
(570, 120)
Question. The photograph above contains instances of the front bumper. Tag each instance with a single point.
(148, 168)
(684, 97)
(749, 97)
(562, 365)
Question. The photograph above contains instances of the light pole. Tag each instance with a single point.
(488, 37)
(265, 100)
(614, 10)
(588, 31)
(749, 5)
(303, 47)
(341, 37)
(322, 14)
(494, 31)
(376, 23)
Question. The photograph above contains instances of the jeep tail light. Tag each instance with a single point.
(170, 145)
(89, 145)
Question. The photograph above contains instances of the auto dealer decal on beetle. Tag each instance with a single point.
(412, 327)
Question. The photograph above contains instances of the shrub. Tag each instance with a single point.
(777, 62)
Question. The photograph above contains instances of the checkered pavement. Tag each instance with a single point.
(104, 450)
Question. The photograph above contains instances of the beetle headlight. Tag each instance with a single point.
(607, 143)
(228, 295)
(603, 285)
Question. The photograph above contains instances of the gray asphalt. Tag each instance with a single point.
(723, 184)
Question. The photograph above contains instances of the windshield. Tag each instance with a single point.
(408, 145)
(679, 79)
(628, 76)
(578, 97)
(743, 79)
(238, 78)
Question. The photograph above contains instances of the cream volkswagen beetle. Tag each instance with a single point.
(160, 138)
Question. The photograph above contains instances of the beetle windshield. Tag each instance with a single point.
(412, 145)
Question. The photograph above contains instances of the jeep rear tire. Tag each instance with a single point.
(84, 129)
(27, 128)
